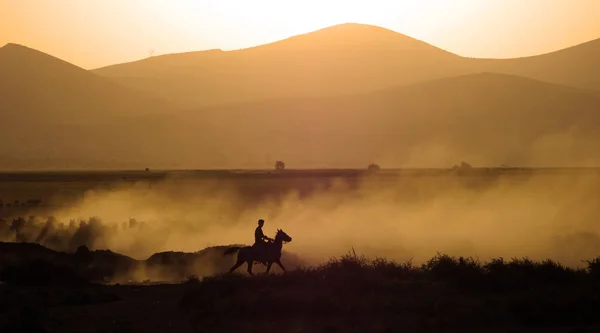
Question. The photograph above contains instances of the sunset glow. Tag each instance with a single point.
(114, 31)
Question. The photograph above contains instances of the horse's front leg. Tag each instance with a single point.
(269, 267)
(278, 262)
(250, 262)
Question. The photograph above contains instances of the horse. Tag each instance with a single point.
(272, 253)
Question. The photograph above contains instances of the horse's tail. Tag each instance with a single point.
(231, 250)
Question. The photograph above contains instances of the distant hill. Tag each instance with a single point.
(342, 59)
(577, 66)
(37, 87)
(485, 119)
(42, 98)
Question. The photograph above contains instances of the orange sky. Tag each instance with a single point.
(94, 33)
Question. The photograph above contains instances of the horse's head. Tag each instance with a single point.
(282, 236)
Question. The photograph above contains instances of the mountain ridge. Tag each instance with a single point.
(580, 44)
(342, 59)
(305, 108)
(322, 31)
(592, 42)
(335, 60)
(40, 87)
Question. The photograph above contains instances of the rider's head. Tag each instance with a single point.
(261, 222)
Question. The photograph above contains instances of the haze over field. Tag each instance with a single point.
(403, 218)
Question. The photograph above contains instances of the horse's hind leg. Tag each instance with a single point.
(250, 262)
(236, 265)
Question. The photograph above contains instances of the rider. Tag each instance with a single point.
(259, 240)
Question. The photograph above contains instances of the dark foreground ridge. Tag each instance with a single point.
(347, 294)
(35, 265)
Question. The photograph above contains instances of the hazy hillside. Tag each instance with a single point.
(577, 66)
(343, 59)
(486, 119)
(36, 87)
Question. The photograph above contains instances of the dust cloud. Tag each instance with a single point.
(540, 215)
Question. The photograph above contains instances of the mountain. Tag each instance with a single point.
(36, 88)
(486, 119)
(577, 66)
(338, 60)
(342, 59)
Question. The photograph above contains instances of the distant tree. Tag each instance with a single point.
(133, 223)
(279, 166)
(373, 167)
(462, 166)
(34, 202)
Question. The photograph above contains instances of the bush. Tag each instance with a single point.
(594, 267)
(462, 271)
(446, 292)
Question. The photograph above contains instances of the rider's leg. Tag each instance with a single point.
(257, 251)
(264, 253)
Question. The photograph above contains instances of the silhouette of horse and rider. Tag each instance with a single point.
(265, 250)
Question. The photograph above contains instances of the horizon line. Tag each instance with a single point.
(150, 170)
